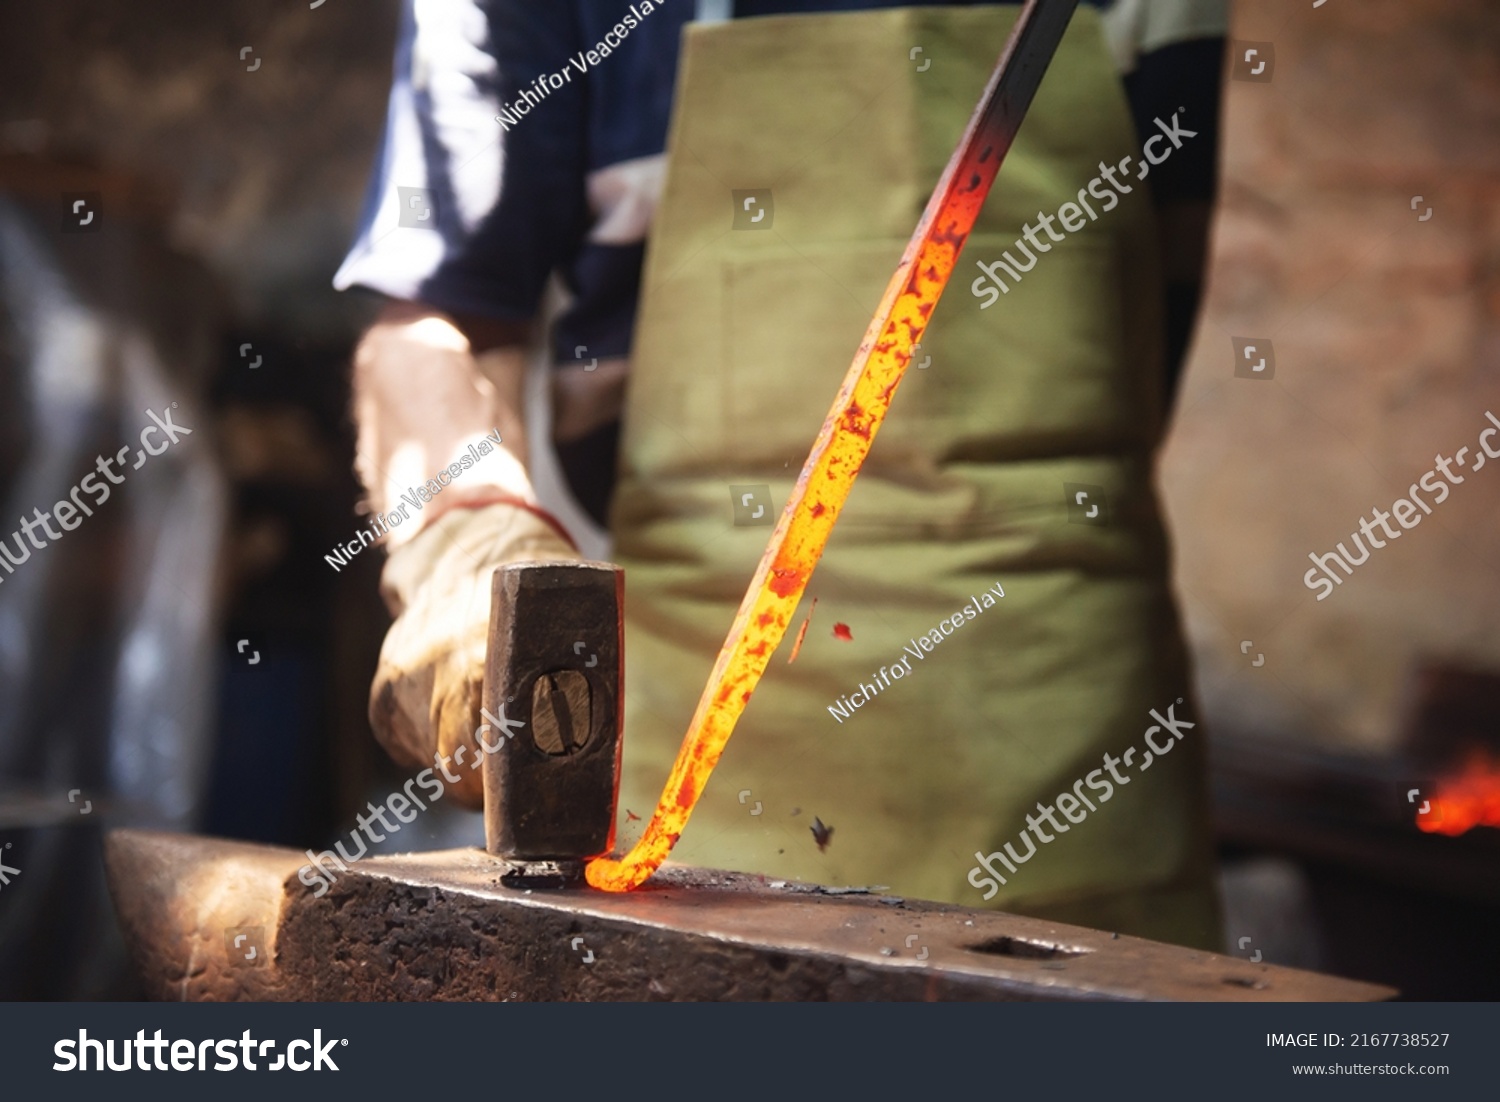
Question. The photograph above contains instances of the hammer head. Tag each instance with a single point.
(555, 664)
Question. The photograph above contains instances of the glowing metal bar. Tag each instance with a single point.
(839, 451)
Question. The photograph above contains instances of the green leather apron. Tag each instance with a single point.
(742, 339)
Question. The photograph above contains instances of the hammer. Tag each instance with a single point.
(554, 687)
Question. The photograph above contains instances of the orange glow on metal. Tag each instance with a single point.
(837, 455)
(802, 634)
(1468, 799)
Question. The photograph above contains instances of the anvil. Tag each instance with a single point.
(442, 926)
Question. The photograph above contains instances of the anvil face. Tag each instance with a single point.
(555, 664)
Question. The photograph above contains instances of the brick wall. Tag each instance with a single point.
(1386, 335)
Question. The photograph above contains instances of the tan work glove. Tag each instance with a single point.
(428, 686)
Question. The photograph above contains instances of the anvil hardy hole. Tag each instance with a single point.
(560, 716)
(1027, 950)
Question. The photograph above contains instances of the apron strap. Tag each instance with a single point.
(715, 11)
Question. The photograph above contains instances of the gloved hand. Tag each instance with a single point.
(429, 682)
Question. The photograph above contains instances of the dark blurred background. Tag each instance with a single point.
(227, 147)
(247, 173)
